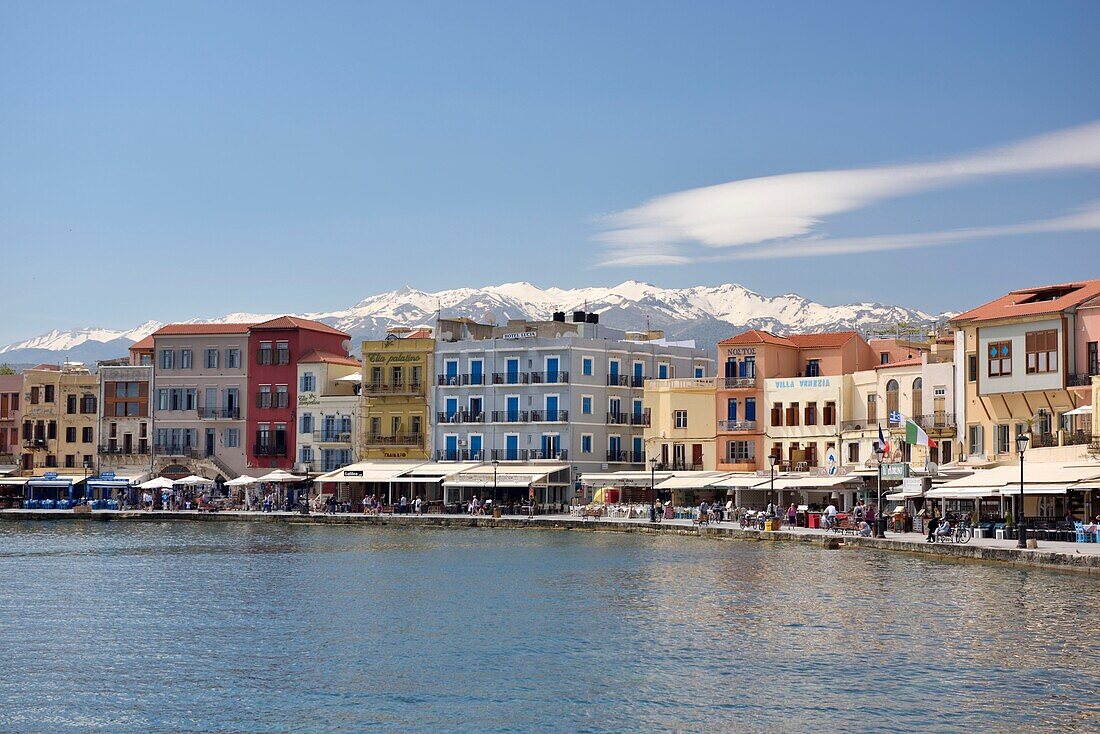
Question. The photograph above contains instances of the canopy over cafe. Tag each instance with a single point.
(1051, 492)
(544, 484)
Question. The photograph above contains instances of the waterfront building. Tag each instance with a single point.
(11, 387)
(396, 397)
(328, 408)
(569, 391)
(59, 413)
(275, 347)
(125, 418)
(681, 426)
(1025, 360)
(199, 384)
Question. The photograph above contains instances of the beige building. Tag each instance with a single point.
(681, 424)
(60, 409)
(328, 411)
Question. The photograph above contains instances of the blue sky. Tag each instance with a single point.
(179, 159)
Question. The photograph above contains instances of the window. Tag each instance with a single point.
(1093, 357)
(971, 368)
(166, 359)
(884, 358)
(679, 419)
(829, 414)
(1000, 359)
(1004, 439)
(308, 382)
(699, 372)
(232, 437)
(70, 404)
(70, 434)
(740, 451)
(750, 409)
(414, 425)
(233, 358)
(586, 366)
(974, 440)
(792, 414)
(211, 359)
(397, 376)
(893, 402)
(811, 414)
(34, 395)
(662, 371)
(586, 404)
(813, 368)
(1042, 351)
(265, 354)
(185, 359)
(395, 425)
(853, 453)
(777, 414)
(282, 352)
(162, 399)
(88, 404)
(48, 394)
(872, 408)
(305, 454)
(263, 400)
(586, 443)
(282, 399)
(86, 434)
(306, 423)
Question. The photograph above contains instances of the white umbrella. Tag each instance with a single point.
(1083, 410)
(194, 479)
(157, 483)
(242, 481)
(280, 476)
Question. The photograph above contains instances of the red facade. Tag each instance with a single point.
(274, 350)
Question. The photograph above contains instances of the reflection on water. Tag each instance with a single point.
(239, 627)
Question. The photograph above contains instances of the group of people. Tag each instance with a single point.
(372, 505)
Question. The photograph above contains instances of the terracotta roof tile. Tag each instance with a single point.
(900, 363)
(421, 333)
(1055, 299)
(188, 329)
(295, 322)
(826, 339)
(756, 336)
(316, 355)
(146, 343)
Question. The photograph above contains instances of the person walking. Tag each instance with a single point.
(418, 505)
(792, 515)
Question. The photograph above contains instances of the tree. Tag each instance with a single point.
(5, 369)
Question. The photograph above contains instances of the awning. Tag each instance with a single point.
(1039, 478)
(353, 377)
(280, 477)
(370, 471)
(437, 471)
(193, 480)
(693, 480)
(735, 480)
(907, 494)
(510, 475)
(242, 481)
(1083, 410)
(61, 481)
(624, 478)
(13, 481)
(1032, 489)
(961, 493)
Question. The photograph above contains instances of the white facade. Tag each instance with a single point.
(328, 416)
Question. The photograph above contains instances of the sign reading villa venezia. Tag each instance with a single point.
(376, 358)
(802, 382)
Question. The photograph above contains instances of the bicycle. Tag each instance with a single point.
(962, 533)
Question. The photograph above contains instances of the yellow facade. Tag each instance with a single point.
(396, 413)
(682, 423)
(60, 406)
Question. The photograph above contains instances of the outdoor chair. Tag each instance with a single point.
(1082, 536)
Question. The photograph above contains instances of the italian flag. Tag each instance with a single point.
(916, 436)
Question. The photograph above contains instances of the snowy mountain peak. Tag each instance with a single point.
(704, 313)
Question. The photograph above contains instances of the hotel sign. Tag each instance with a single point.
(521, 335)
(737, 351)
(802, 382)
(376, 358)
(308, 398)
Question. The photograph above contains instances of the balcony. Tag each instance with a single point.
(460, 380)
(117, 450)
(269, 449)
(625, 457)
(34, 443)
(511, 378)
(220, 413)
(323, 436)
(619, 381)
(867, 425)
(1078, 380)
(191, 452)
(399, 388)
(557, 377)
(678, 466)
(549, 416)
(735, 425)
(510, 416)
(618, 419)
(936, 421)
(459, 416)
(738, 383)
(458, 455)
(399, 439)
(640, 419)
(528, 455)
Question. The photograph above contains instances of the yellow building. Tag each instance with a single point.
(60, 408)
(681, 427)
(396, 406)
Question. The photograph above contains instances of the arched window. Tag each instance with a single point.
(918, 398)
(891, 401)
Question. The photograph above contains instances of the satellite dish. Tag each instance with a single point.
(489, 318)
(346, 344)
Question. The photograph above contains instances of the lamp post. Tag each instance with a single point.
(880, 453)
(1021, 532)
(495, 498)
(303, 502)
(653, 489)
(87, 466)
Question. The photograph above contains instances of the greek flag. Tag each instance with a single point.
(895, 416)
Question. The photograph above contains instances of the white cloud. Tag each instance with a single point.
(792, 206)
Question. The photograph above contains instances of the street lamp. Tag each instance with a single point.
(1022, 440)
(653, 489)
(87, 466)
(880, 454)
(303, 502)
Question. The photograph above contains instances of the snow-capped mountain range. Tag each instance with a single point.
(703, 313)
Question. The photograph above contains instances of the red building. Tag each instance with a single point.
(275, 347)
